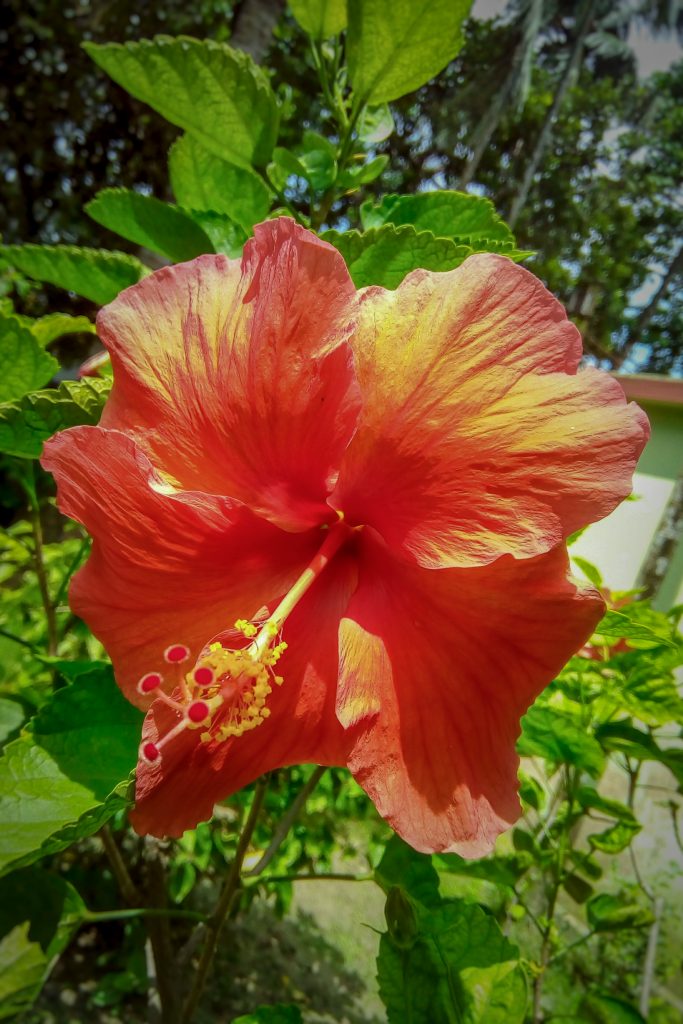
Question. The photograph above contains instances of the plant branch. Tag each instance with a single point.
(41, 573)
(224, 905)
(286, 822)
(120, 872)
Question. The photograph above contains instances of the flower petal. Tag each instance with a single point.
(237, 379)
(181, 789)
(477, 437)
(165, 568)
(451, 660)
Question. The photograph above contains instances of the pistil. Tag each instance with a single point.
(226, 691)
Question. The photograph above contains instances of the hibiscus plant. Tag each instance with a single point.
(320, 485)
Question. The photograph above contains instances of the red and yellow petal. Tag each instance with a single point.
(165, 568)
(436, 669)
(477, 437)
(237, 378)
(180, 789)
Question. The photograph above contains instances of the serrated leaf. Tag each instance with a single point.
(83, 747)
(47, 329)
(216, 93)
(601, 1009)
(590, 799)
(395, 46)
(226, 236)
(364, 173)
(22, 968)
(27, 424)
(96, 274)
(375, 124)
(321, 19)
(617, 838)
(616, 624)
(590, 571)
(404, 867)
(445, 213)
(651, 696)
(202, 181)
(149, 222)
(456, 969)
(280, 1013)
(612, 913)
(50, 904)
(627, 739)
(12, 717)
(548, 733)
(24, 365)
(385, 255)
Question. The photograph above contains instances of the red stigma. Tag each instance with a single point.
(150, 751)
(176, 653)
(198, 711)
(203, 676)
(149, 682)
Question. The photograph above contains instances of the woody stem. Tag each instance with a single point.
(224, 905)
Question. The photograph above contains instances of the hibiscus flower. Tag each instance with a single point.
(328, 526)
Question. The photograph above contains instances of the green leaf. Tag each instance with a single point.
(147, 221)
(27, 424)
(457, 215)
(47, 329)
(531, 791)
(590, 571)
(395, 46)
(12, 717)
(375, 124)
(578, 888)
(363, 173)
(96, 274)
(83, 748)
(617, 838)
(590, 799)
(548, 733)
(411, 871)
(385, 255)
(612, 913)
(652, 695)
(52, 907)
(23, 363)
(202, 181)
(600, 1009)
(634, 743)
(216, 93)
(226, 235)
(504, 871)
(616, 624)
(91, 731)
(22, 969)
(280, 1013)
(320, 18)
(456, 969)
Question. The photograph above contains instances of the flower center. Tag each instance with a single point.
(225, 693)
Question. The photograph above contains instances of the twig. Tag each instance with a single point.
(285, 823)
(159, 931)
(120, 872)
(333, 876)
(224, 905)
(650, 959)
(39, 562)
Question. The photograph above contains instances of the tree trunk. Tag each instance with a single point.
(253, 25)
(518, 74)
(647, 312)
(584, 27)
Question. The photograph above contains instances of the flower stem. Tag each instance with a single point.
(41, 573)
(224, 905)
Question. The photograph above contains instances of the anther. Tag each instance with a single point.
(176, 653)
(203, 675)
(150, 681)
(149, 752)
(198, 712)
